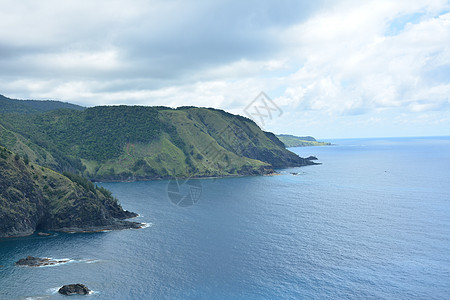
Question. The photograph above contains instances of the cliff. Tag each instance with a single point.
(36, 198)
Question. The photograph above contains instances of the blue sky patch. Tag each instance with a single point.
(398, 24)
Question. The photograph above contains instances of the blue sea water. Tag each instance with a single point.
(371, 222)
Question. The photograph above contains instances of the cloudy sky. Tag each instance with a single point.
(334, 68)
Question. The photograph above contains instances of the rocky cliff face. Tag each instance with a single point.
(36, 198)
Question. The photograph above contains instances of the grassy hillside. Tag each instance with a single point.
(36, 198)
(8, 105)
(300, 141)
(133, 142)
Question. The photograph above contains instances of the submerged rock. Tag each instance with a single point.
(31, 261)
(74, 289)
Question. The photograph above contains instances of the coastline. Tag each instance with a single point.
(145, 178)
(91, 229)
(117, 225)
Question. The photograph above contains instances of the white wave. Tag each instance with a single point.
(53, 290)
(93, 292)
(90, 261)
(146, 225)
(62, 261)
(56, 262)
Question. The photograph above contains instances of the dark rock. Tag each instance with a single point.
(293, 173)
(74, 289)
(31, 261)
(311, 158)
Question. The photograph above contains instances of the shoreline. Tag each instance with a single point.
(120, 225)
(273, 173)
(180, 177)
(107, 228)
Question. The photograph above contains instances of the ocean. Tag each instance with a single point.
(371, 222)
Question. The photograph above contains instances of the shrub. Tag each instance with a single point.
(86, 184)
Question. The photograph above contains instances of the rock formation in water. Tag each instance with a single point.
(74, 289)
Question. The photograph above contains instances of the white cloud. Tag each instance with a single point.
(329, 65)
(350, 65)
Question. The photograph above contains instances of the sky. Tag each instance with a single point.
(330, 69)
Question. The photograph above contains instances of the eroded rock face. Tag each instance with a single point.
(74, 289)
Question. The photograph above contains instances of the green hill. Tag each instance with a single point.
(299, 141)
(136, 142)
(36, 198)
(8, 105)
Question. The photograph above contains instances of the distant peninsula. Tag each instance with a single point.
(127, 143)
(300, 141)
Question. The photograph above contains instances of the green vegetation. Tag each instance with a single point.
(37, 198)
(299, 141)
(114, 143)
(8, 105)
(80, 180)
(135, 142)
